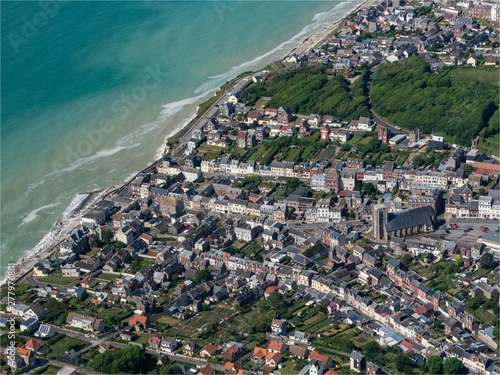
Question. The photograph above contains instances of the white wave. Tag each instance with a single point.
(81, 162)
(167, 110)
(70, 210)
(34, 214)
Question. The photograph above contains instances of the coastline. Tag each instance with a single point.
(71, 217)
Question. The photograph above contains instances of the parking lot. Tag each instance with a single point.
(457, 234)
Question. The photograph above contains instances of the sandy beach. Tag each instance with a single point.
(50, 243)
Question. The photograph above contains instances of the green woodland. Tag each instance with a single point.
(308, 90)
(458, 103)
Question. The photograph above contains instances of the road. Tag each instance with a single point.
(376, 119)
(211, 112)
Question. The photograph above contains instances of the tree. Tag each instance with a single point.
(454, 366)
(486, 261)
(128, 360)
(435, 365)
(403, 363)
(170, 369)
(407, 259)
(203, 276)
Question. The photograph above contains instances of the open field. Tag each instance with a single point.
(59, 280)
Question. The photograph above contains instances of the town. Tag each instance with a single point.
(268, 241)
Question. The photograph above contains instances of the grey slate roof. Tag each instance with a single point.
(410, 218)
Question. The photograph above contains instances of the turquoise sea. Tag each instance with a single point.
(90, 89)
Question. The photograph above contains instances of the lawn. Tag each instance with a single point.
(361, 340)
(59, 280)
(66, 344)
(260, 151)
(312, 325)
(424, 271)
(144, 338)
(484, 315)
(288, 368)
(210, 151)
(108, 276)
(168, 320)
(484, 74)
(261, 102)
(48, 370)
(205, 318)
(401, 158)
(292, 153)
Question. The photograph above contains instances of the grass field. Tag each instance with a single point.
(361, 340)
(108, 276)
(288, 368)
(257, 154)
(325, 154)
(59, 280)
(484, 315)
(144, 338)
(261, 102)
(168, 320)
(210, 151)
(401, 158)
(66, 344)
(482, 74)
(48, 370)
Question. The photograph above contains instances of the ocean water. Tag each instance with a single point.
(90, 90)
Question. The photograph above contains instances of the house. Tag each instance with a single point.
(276, 346)
(71, 356)
(189, 347)
(36, 311)
(365, 124)
(208, 351)
(279, 326)
(300, 337)
(70, 270)
(140, 322)
(327, 361)
(127, 336)
(232, 366)
(32, 345)
(298, 351)
(357, 361)
(45, 331)
(206, 370)
(89, 282)
(231, 352)
(27, 356)
(86, 323)
(29, 325)
(105, 347)
(168, 345)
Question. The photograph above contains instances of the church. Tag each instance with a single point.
(402, 223)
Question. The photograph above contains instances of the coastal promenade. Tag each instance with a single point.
(235, 86)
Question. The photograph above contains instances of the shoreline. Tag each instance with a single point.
(48, 245)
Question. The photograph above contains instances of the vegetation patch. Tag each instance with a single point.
(458, 102)
(308, 90)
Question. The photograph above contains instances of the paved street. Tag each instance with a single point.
(211, 112)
